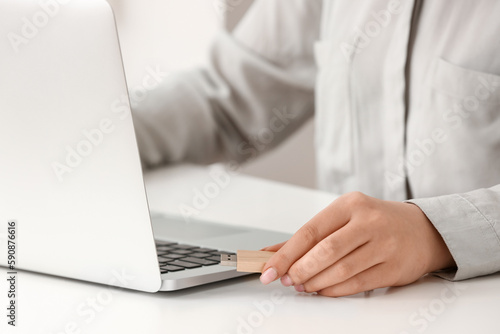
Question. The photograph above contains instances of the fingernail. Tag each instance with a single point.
(268, 276)
(300, 288)
(286, 280)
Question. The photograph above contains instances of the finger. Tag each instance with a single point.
(370, 279)
(324, 223)
(327, 252)
(273, 248)
(349, 266)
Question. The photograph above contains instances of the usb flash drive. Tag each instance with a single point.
(247, 261)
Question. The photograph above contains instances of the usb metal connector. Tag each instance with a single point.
(247, 261)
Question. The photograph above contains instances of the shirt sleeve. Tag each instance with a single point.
(257, 89)
(470, 226)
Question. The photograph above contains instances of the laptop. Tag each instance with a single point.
(71, 181)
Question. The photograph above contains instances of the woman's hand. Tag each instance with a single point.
(359, 243)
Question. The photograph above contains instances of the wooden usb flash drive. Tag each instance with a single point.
(247, 261)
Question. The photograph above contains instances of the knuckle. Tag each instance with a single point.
(357, 285)
(355, 198)
(282, 257)
(310, 234)
(281, 262)
(326, 248)
(330, 243)
(377, 224)
(344, 270)
(298, 273)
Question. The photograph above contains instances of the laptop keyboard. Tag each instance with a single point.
(174, 257)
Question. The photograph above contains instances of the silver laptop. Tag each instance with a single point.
(70, 174)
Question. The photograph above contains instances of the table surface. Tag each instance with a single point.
(55, 305)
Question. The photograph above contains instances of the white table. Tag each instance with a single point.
(55, 305)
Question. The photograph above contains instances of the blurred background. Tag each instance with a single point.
(175, 34)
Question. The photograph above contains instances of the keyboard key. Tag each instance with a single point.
(185, 264)
(199, 261)
(170, 268)
(161, 252)
(199, 255)
(206, 250)
(173, 268)
(164, 243)
(166, 261)
(181, 251)
(171, 256)
(164, 248)
(185, 247)
(214, 258)
(167, 255)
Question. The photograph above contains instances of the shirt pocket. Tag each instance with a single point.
(468, 100)
(460, 82)
(334, 121)
(463, 106)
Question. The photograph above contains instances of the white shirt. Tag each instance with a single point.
(405, 95)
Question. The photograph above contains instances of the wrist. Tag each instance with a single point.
(436, 251)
